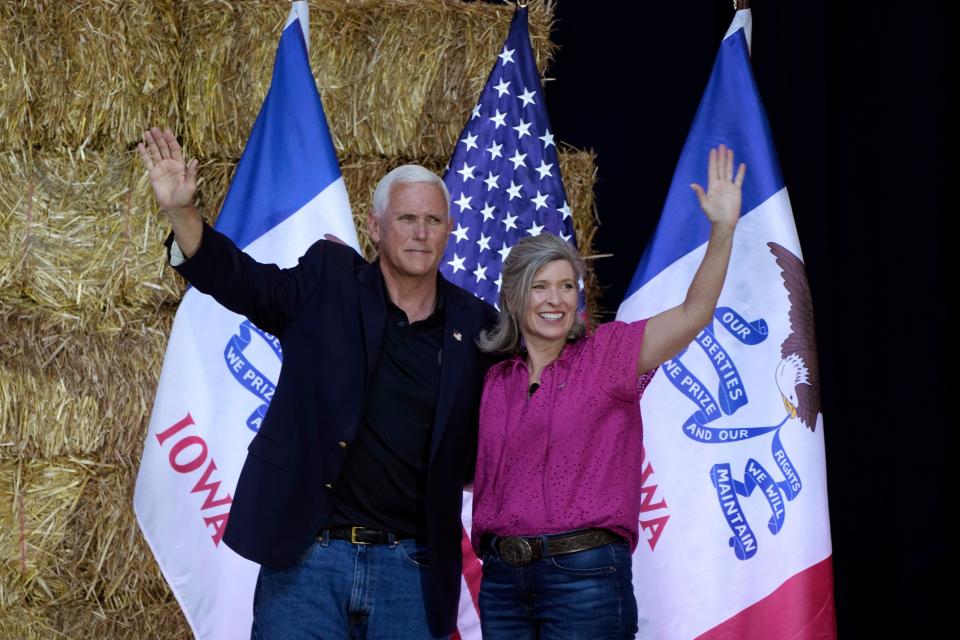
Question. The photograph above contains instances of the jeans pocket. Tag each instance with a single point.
(415, 554)
(590, 562)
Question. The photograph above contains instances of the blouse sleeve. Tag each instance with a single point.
(619, 344)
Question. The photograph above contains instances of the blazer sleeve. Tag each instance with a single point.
(266, 294)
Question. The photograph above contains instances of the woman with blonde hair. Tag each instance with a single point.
(557, 486)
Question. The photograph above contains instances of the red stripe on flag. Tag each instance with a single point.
(802, 607)
(472, 570)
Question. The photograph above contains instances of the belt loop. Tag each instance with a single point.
(325, 538)
(391, 539)
(544, 547)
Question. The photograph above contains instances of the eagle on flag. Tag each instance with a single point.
(798, 377)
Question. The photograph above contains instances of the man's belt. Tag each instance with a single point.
(363, 535)
(517, 550)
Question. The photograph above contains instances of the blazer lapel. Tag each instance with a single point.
(458, 332)
(373, 311)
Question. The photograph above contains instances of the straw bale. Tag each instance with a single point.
(15, 80)
(226, 54)
(112, 564)
(69, 391)
(89, 72)
(25, 623)
(75, 620)
(398, 77)
(37, 501)
(99, 579)
(579, 170)
(79, 234)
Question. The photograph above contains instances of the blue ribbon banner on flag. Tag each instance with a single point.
(755, 476)
(249, 375)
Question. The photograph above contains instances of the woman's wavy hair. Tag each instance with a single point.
(525, 259)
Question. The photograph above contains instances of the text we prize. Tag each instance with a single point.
(187, 455)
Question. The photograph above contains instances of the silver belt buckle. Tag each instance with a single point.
(515, 551)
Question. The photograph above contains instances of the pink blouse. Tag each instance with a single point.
(569, 456)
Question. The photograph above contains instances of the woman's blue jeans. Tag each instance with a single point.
(584, 595)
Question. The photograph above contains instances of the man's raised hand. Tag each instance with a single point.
(174, 181)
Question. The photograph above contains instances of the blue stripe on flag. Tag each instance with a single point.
(289, 157)
(730, 113)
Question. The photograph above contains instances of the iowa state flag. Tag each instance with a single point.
(219, 371)
(735, 496)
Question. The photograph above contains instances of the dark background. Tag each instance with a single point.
(856, 94)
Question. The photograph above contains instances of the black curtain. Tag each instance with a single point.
(856, 94)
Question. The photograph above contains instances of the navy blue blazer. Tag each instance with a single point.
(329, 314)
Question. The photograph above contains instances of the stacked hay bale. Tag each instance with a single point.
(86, 300)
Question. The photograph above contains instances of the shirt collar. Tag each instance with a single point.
(439, 303)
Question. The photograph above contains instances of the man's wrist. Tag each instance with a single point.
(179, 212)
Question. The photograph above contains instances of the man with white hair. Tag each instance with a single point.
(350, 497)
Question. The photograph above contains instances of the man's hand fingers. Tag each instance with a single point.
(162, 145)
(175, 151)
(145, 157)
(154, 138)
(151, 146)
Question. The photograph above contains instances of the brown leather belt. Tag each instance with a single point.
(518, 551)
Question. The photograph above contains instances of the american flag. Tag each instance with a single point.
(504, 175)
(504, 182)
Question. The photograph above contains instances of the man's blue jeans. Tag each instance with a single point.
(584, 595)
(341, 590)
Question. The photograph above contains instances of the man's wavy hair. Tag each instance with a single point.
(405, 174)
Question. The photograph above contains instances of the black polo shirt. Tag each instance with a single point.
(383, 481)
